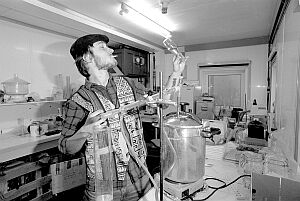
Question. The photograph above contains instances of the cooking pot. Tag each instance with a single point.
(15, 86)
(183, 148)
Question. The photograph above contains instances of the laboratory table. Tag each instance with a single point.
(224, 170)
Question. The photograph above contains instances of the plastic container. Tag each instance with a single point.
(275, 163)
(15, 86)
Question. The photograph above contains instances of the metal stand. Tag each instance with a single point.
(161, 128)
(160, 115)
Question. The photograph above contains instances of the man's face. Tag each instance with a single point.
(103, 56)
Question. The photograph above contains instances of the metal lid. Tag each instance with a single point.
(183, 120)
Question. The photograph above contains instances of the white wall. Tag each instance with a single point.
(161, 67)
(258, 55)
(36, 56)
(287, 105)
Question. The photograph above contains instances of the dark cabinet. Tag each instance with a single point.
(132, 62)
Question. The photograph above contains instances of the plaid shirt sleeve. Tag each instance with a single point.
(74, 119)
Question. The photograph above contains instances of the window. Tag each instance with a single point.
(226, 89)
(228, 83)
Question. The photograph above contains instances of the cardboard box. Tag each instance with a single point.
(68, 174)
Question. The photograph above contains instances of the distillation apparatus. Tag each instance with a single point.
(182, 142)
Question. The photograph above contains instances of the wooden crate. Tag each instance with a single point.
(26, 181)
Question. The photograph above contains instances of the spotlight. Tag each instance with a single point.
(123, 9)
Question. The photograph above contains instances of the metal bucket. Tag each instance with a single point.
(183, 148)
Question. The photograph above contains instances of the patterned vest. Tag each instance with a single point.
(132, 126)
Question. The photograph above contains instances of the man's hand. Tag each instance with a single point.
(175, 77)
(178, 64)
(93, 122)
(75, 142)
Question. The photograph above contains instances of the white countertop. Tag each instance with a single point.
(13, 146)
(219, 169)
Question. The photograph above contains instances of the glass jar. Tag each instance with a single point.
(15, 86)
(252, 162)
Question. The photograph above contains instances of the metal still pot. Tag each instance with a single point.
(184, 148)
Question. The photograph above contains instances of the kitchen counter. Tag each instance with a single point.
(13, 146)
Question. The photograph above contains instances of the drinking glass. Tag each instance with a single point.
(103, 169)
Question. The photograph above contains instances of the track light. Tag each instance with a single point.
(143, 21)
(164, 6)
(123, 9)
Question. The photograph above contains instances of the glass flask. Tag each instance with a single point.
(172, 47)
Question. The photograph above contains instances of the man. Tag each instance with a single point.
(102, 92)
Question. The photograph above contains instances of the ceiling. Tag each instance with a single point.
(195, 21)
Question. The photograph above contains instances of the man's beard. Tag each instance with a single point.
(106, 66)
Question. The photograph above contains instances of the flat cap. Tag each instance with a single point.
(81, 45)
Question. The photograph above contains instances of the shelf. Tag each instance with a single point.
(31, 103)
(138, 75)
(13, 146)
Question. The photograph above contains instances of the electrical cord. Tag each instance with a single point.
(212, 187)
(224, 185)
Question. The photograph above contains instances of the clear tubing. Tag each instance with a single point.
(174, 152)
(133, 154)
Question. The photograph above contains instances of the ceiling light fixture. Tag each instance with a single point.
(143, 21)
(60, 10)
(165, 4)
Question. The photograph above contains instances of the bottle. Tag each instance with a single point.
(68, 92)
(58, 90)
(254, 102)
(57, 93)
